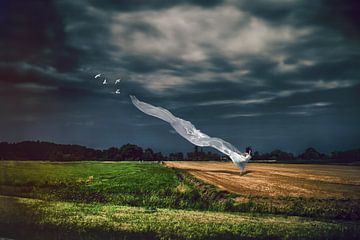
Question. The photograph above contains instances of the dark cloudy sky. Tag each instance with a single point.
(270, 73)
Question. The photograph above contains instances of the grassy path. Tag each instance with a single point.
(24, 218)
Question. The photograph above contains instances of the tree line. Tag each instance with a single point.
(37, 150)
(310, 154)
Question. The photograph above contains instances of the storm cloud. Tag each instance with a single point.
(271, 74)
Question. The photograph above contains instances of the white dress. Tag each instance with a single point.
(187, 130)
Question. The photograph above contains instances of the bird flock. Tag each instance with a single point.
(105, 81)
(187, 130)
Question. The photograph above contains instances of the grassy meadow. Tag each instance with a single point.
(141, 200)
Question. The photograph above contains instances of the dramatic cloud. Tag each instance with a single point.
(259, 71)
(185, 44)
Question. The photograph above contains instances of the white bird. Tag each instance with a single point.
(117, 91)
(187, 130)
(117, 80)
(97, 75)
(104, 82)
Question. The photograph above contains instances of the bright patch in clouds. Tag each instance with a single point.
(192, 35)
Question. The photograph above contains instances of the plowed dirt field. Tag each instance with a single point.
(263, 179)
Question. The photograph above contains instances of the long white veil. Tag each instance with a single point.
(187, 130)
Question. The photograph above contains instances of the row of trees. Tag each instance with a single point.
(35, 150)
(31, 150)
(310, 154)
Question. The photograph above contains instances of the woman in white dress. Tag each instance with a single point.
(187, 130)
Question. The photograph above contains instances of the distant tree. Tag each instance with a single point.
(311, 154)
(6, 151)
(131, 152)
(158, 156)
(212, 156)
(196, 149)
(56, 156)
(199, 155)
(149, 155)
(195, 155)
(346, 156)
(256, 156)
(112, 154)
(179, 156)
(280, 155)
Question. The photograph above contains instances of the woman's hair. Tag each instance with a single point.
(248, 149)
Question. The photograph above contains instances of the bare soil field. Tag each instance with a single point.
(276, 180)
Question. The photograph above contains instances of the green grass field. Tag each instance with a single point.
(122, 200)
(123, 183)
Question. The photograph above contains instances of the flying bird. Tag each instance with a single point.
(105, 82)
(117, 91)
(188, 131)
(97, 75)
(117, 81)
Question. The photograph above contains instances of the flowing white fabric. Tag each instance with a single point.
(187, 130)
